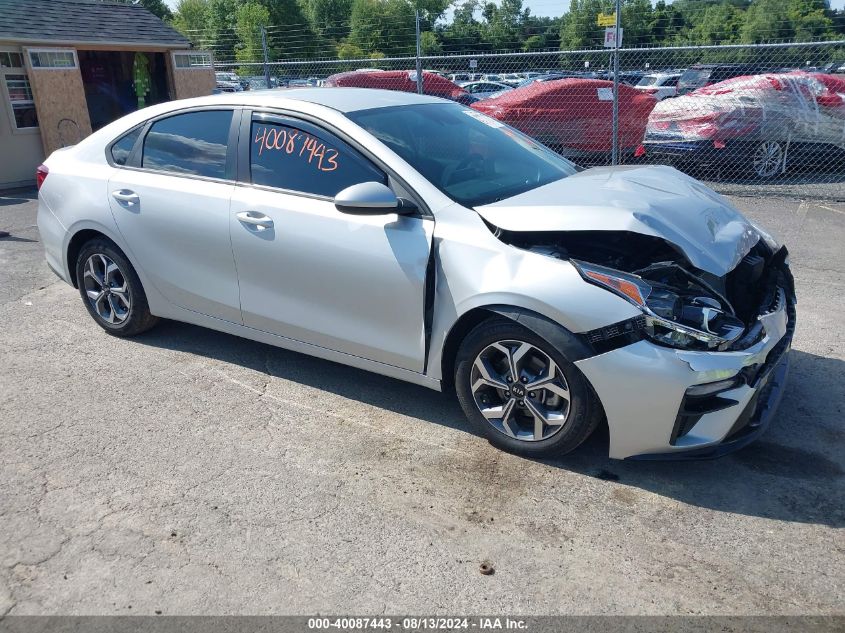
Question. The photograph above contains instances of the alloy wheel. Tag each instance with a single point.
(768, 158)
(520, 390)
(107, 289)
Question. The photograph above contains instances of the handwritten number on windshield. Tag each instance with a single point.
(287, 141)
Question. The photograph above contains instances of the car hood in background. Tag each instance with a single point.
(657, 201)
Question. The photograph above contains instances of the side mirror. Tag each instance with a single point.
(367, 198)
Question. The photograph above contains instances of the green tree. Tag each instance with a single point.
(191, 18)
(667, 22)
(347, 50)
(719, 24)
(386, 26)
(636, 20)
(464, 32)
(430, 44)
(579, 28)
(766, 21)
(329, 18)
(811, 19)
(504, 23)
(157, 8)
(534, 43)
(220, 29)
(250, 18)
(291, 35)
(431, 10)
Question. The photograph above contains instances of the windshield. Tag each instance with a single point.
(469, 156)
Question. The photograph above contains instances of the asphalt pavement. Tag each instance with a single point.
(187, 471)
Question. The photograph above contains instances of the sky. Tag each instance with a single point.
(554, 8)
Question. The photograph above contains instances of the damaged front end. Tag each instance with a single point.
(701, 370)
(683, 307)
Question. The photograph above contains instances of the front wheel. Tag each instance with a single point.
(521, 392)
(111, 289)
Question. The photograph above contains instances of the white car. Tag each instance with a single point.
(420, 239)
(660, 85)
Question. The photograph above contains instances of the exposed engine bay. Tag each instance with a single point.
(684, 306)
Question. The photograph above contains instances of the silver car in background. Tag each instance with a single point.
(417, 238)
(660, 85)
(485, 89)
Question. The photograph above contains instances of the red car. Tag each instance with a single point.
(574, 116)
(760, 123)
(403, 80)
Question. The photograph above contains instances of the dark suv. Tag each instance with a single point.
(701, 75)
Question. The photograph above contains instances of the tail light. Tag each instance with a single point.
(41, 175)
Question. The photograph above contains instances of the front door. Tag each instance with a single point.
(354, 284)
(172, 209)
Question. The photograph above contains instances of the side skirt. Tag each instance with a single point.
(195, 318)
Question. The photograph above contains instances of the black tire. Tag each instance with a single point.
(584, 413)
(125, 322)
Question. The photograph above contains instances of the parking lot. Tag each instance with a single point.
(187, 471)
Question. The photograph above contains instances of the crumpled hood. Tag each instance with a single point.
(655, 200)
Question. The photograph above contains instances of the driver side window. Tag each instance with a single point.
(302, 160)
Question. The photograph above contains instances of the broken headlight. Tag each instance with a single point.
(685, 321)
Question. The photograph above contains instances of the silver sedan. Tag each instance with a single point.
(422, 240)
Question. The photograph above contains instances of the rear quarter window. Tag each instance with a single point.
(122, 147)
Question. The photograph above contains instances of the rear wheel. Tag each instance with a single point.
(111, 289)
(521, 392)
(767, 159)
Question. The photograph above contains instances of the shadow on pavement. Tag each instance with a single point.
(11, 197)
(783, 476)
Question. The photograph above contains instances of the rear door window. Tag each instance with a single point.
(191, 143)
(306, 159)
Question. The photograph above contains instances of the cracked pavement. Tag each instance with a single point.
(187, 471)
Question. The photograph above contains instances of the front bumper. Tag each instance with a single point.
(643, 388)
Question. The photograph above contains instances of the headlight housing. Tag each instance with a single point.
(672, 319)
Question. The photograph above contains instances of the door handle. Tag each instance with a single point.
(126, 198)
(260, 221)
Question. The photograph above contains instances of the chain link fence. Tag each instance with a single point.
(749, 119)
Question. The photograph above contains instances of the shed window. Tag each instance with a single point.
(48, 58)
(10, 60)
(20, 98)
(192, 60)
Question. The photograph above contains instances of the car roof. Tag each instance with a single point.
(337, 98)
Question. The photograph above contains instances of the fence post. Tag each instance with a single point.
(419, 54)
(615, 157)
(266, 57)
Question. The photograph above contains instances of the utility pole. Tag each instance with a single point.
(419, 54)
(266, 58)
(615, 149)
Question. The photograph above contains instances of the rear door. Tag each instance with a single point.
(349, 283)
(170, 198)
